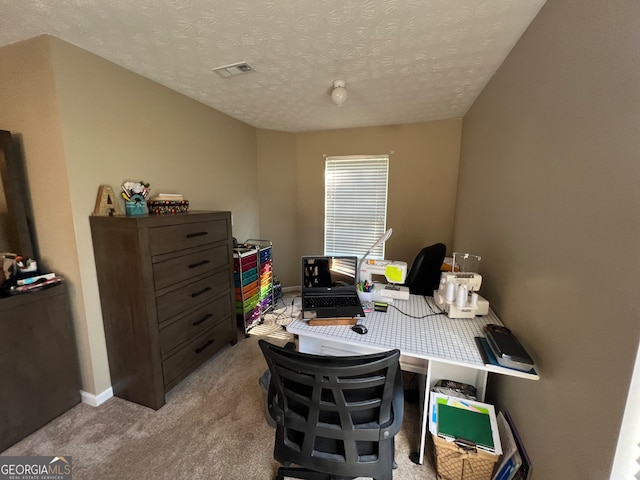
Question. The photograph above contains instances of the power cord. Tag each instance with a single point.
(292, 303)
(411, 395)
(279, 314)
(438, 312)
(432, 314)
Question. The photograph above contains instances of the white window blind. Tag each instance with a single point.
(355, 203)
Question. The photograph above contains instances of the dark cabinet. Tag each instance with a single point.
(38, 362)
(166, 290)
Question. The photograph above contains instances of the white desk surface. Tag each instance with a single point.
(434, 337)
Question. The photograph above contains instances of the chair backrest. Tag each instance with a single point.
(336, 415)
(424, 275)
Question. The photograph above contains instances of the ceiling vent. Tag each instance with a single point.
(234, 70)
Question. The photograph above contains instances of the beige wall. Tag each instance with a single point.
(277, 194)
(548, 195)
(423, 171)
(30, 111)
(103, 125)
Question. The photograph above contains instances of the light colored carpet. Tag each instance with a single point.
(212, 427)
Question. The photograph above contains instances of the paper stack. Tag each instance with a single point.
(467, 421)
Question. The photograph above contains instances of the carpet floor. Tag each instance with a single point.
(213, 425)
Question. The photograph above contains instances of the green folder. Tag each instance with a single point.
(459, 423)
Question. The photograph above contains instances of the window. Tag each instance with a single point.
(355, 204)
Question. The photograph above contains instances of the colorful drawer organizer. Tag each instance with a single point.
(265, 267)
(253, 278)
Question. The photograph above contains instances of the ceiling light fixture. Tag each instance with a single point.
(339, 92)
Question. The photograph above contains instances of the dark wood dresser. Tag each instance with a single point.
(38, 362)
(166, 289)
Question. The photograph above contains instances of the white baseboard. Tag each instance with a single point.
(96, 400)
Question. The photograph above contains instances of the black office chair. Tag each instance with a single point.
(335, 416)
(424, 275)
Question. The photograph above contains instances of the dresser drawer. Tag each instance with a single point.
(202, 318)
(169, 238)
(192, 294)
(185, 360)
(184, 267)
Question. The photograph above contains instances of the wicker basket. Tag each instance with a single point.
(455, 463)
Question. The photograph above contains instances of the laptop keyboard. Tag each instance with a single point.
(316, 302)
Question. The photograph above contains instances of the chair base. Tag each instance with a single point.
(306, 474)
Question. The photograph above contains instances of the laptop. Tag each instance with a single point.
(329, 287)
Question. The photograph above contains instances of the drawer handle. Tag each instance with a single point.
(197, 234)
(194, 295)
(198, 264)
(206, 317)
(200, 349)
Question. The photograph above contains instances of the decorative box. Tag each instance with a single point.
(164, 207)
(136, 207)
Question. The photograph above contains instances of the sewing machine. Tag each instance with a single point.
(457, 295)
(395, 273)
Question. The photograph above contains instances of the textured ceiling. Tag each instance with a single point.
(404, 61)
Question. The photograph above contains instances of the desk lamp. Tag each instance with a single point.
(379, 242)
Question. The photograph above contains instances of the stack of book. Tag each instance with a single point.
(166, 203)
(170, 197)
(35, 282)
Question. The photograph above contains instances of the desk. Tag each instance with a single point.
(435, 346)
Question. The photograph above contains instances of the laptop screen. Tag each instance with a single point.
(329, 274)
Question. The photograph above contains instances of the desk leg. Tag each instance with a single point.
(439, 371)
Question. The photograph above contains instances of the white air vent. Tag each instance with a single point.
(234, 70)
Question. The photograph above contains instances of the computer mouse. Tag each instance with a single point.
(359, 328)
